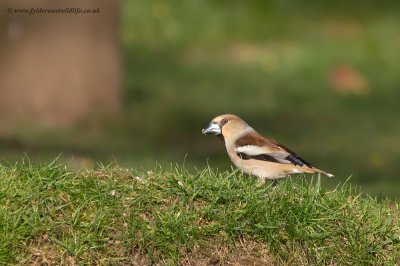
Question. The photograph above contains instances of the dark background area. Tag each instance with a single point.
(320, 77)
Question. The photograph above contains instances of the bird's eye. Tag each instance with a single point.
(224, 121)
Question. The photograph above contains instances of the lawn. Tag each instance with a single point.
(111, 215)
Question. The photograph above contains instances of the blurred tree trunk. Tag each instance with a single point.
(58, 69)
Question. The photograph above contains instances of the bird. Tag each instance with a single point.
(255, 154)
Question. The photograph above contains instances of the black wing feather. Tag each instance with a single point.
(293, 158)
(261, 157)
(296, 160)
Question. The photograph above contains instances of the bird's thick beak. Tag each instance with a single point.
(212, 128)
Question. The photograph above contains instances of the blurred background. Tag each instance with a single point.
(135, 82)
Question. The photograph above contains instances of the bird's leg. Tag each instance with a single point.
(274, 184)
(261, 182)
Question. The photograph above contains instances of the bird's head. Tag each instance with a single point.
(226, 126)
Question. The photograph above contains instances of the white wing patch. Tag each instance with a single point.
(252, 150)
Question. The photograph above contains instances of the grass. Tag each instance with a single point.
(112, 215)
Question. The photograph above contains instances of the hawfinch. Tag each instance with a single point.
(255, 154)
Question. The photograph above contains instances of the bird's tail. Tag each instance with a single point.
(314, 170)
(325, 173)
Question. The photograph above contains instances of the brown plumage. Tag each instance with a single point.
(255, 154)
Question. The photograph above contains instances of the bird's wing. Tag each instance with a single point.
(255, 146)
